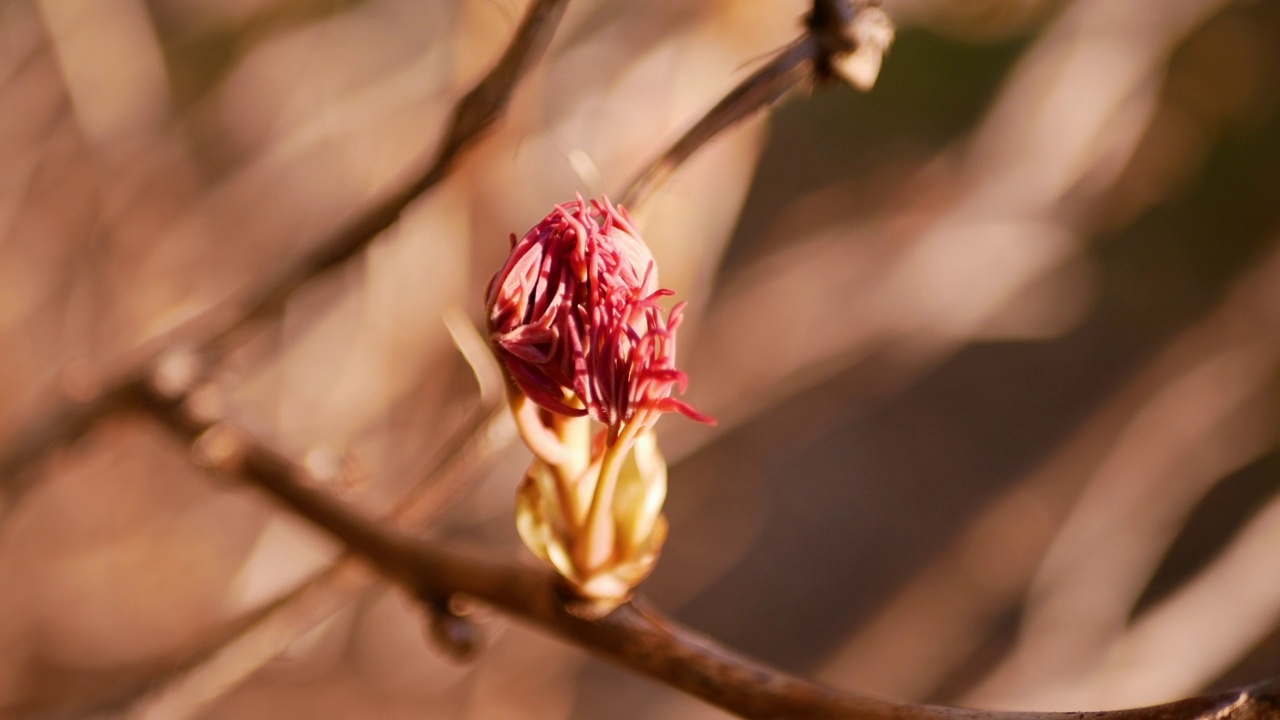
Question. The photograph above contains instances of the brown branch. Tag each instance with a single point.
(635, 636)
(478, 110)
(64, 423)
(829, 32)
(222, 664)
(211, 331)
(786, 71)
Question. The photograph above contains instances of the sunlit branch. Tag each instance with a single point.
(831, 31)
(224, 662)
(635, 636)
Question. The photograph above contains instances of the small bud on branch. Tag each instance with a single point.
(574, 316)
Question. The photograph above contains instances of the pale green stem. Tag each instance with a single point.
(599, 530)
(575, 435)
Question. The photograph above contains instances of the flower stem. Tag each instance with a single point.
(598, 545)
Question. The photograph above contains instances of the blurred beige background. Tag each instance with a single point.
(994, 348)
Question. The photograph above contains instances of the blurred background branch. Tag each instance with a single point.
(208, 331)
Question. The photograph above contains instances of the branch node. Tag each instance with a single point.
(176, 372)
(450, 629)
(221, 448)
(207, 404)
(852, 40)
(872, 34)
(334, 469)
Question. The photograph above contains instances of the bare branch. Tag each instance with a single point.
(830, 32)
(766, 86)
(635, 636)
(231, 659)
(478, 110)
(64, 423)
(219, 666)
(642, 639)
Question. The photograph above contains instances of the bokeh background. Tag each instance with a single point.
(994, 348)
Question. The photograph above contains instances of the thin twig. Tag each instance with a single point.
(764, 87)
(212, 331)
(219, 666)
(478, 110)
(809, 59)
(64, 423)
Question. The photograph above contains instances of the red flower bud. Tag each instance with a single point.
(574, 316)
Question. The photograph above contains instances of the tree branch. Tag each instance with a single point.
(476, 112)
(830, 32)
(210, 332)
(635, 636)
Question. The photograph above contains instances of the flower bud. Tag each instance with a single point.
(574, 317)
